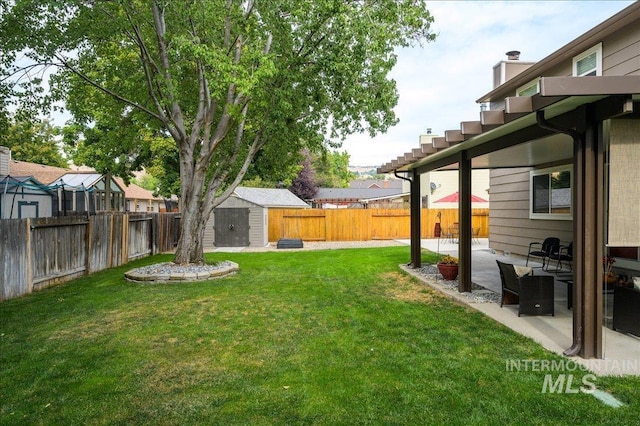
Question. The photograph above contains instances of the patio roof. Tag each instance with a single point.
(558, 96)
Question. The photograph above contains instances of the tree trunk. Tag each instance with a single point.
(190, 248)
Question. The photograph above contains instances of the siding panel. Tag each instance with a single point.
(509, 224)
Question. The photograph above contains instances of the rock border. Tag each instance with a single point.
(229, 268)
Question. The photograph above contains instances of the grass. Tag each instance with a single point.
(316, 337)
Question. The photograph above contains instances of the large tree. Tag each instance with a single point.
(32, 140)
(225, 79)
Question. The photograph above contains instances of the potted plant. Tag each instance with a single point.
(448, 267)
(609, 276)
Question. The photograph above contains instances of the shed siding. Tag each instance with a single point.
(9, 203)
(509, 224)
(257, 223)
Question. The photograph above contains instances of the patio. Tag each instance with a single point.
(621, 352)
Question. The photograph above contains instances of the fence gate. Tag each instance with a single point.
(231, 227)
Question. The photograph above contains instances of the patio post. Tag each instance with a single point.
(588, 231)
(416, 209)
(464, 219)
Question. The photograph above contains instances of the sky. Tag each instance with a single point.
(439, 82)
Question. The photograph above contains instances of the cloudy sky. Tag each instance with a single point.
(439, 82)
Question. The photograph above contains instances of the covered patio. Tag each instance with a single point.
(621, 352)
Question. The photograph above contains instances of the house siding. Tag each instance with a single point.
(510, 229)
(621, 53)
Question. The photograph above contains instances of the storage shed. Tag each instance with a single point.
(22, 197)
(243, 219)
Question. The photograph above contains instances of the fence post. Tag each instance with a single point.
(29, 259)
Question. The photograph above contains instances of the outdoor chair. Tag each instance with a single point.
(562, 254)
(543, 249)
(533, 294)
(475, 234)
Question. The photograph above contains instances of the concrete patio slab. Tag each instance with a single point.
(621, 352)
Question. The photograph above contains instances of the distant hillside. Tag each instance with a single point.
(364, 171)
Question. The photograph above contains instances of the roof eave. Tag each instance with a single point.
(622, 19)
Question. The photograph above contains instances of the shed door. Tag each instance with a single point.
(231, 227)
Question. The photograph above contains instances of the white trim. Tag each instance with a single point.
(550, 216)
(597, 49)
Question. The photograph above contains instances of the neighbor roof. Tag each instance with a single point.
(355, 193)
(44, 174)
(270, 197)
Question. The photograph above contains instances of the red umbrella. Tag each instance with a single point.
(453, 198)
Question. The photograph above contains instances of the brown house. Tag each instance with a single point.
(562, 140)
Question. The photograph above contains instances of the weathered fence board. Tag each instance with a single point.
(37, 253)
(139, 227)
(58, 248)
(14, 269)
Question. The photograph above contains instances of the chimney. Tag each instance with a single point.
(428, 130)
(5, 159)
(505, 70)
(513, 55)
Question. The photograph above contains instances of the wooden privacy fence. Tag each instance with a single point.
(37, 253)
(363, 224)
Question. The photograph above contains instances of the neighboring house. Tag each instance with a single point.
(138, 199)
(437, 184)
(336, 198)
(242, 220)
(376, 184)
(22, 197)
(570, 122)
(72, 191)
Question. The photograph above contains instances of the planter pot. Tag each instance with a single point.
(448, 272)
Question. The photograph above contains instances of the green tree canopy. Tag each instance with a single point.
(225, 80)
(332, 169)
(32, 141)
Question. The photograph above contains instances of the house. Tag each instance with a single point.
(569, 122)
(84, 190)
(242, 220)
(22, 197)
(376, 184)
(335, 198)
(138, 199)
(438, 184)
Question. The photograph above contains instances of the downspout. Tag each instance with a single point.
(578, 313)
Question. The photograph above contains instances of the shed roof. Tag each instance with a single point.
(270, 197)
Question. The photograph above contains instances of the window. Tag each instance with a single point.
(551, 193)
(588, 63)
(529, 89)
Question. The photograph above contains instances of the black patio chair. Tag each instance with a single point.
(563, 254)
(533, 294)
(543, 249)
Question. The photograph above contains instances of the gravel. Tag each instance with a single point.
(478, 293)
(172, 268)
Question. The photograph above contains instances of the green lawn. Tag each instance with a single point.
(315, 337)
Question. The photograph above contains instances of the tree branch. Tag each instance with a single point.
(103, 89)
(160, 30)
